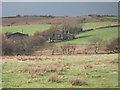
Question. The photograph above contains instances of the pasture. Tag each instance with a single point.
(85, 37)
(93, 25)
(98, 71)
(28, 29)
(112, 17)
(32, 28)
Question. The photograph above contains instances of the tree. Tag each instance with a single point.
(68, 49)
(97, 43)
(63, 32)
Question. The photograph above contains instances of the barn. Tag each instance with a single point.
(16, 35)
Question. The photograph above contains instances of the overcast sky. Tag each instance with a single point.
(59, 8)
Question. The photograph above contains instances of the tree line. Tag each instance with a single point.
(61, 32)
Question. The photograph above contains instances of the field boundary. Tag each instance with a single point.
(101, 27)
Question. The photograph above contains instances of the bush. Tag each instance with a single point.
(113, 45)
(37, 40)
(21, 46)
(6, 47)
(16, 46)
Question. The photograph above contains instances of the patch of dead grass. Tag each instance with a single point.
(54, 78)
(40, 69)
(77, 81)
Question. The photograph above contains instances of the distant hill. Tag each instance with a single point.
(46, 20)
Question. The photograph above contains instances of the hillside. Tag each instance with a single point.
(85, 37)
(28, 29)
(32, 28)
(46, 20)
(112, 17)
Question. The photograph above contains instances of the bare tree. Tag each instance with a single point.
(97, 43)
(68, 49)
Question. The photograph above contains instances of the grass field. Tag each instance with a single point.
(112, 17)
(32, 28)
(84, 38)
(93, 25)
(56, 71)
(28, 29)
(98, 71)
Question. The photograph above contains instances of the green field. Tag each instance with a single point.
(93, 25)
(28, 29)
(111, 17)
(102, 73)
(32, 28)
(85, 37)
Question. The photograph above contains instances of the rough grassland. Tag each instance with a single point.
(99, 71)
(84, 38)
(28, 29)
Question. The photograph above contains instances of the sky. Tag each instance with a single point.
(59, 8)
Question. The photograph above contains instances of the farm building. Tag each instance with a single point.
(16, 35)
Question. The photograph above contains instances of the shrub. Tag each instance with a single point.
(77, 81)
(113, 45)
(16, 46)
(6, 47)
(21, 45)
(37, 40)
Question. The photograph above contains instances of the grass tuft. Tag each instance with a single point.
(77, 81)
(54, 78)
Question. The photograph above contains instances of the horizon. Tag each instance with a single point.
(10, 9)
